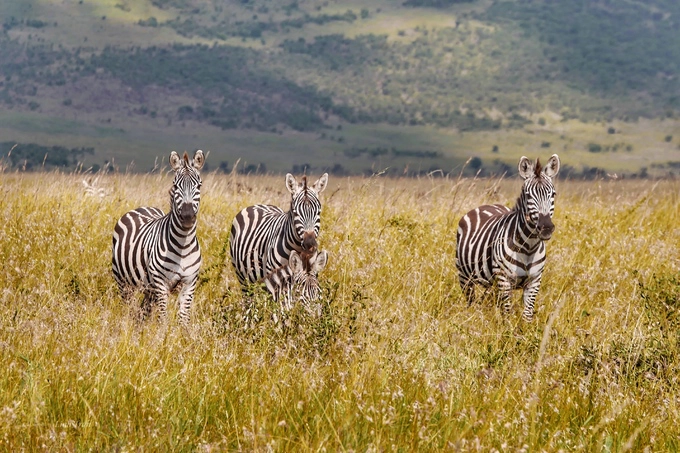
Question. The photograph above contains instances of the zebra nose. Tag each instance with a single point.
(187, 214)
(309, 241)
(545, 226)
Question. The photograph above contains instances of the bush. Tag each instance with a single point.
(32, 156)
(594, 147)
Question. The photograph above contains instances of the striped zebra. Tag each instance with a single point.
(503, 247)
(298, 280)
(262, 236)
(160, 253)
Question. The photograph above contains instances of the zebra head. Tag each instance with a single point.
(306, 209)
(538, 194)
(306, 268)
(185, 193)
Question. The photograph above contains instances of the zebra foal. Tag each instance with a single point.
(159, 252)
(505, 247)
(262, 237)
(298, 280)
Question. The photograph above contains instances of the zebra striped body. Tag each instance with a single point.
(159, 252)
(262, 237)
(298, 280)
(503, 247)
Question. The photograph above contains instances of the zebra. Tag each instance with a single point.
(505, 247)
(159, 252)
(262, 237)
(297, 280)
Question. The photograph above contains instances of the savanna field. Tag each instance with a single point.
(393, 360)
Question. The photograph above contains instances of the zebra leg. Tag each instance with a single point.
(529, 296)
(250, 315)
(159, 297)
(126, 292)
(147, 304)
(504, 292)
(287, 296)
(186, 297)
(467, 286)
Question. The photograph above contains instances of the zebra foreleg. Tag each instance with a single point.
(147, 305)
(504, 293)
(158, 297)
(529, 296)
(468, 288)
(186, 297)
(127, 292)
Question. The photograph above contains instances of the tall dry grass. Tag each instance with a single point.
(395, 360)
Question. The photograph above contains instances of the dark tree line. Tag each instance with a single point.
(31, 156)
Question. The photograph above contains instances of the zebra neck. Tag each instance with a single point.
(525, 233)
(178, 233)
(291, 241)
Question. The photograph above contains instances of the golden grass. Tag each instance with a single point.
(395, 361)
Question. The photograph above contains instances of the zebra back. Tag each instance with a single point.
(262, 236)
(157, 252)
(500, 246)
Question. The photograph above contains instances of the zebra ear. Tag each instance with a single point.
(320, 183)
(295, 262)
(199, 160)
(320, 262)
(553, 166)
(525, 167)
(175, 161)
(292, 184)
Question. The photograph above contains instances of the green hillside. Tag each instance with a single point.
(347, 87)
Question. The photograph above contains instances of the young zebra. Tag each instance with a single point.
(157, 252)
(505, 247)
(262, 236)
(297, 280)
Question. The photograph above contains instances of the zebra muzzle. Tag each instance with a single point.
(545, 227)
(187, 215)
(309, 243)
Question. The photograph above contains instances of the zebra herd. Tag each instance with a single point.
(158, 253)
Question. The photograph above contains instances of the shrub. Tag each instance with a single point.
(594, 147)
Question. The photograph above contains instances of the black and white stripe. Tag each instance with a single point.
(158, 253)
(505, 247)
(262, 236)
(298, 280)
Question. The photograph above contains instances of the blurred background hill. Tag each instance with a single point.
(406, 87)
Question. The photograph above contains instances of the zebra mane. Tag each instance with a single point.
(537, 168)
(305, 189)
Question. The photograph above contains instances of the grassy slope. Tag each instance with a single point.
(396, 360)
(124, 137)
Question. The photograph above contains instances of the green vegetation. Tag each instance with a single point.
(233, 91)
(394, 360)
(435, 3)
(250, 29)
(456, 67)
(31, 156)
(588, 44)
